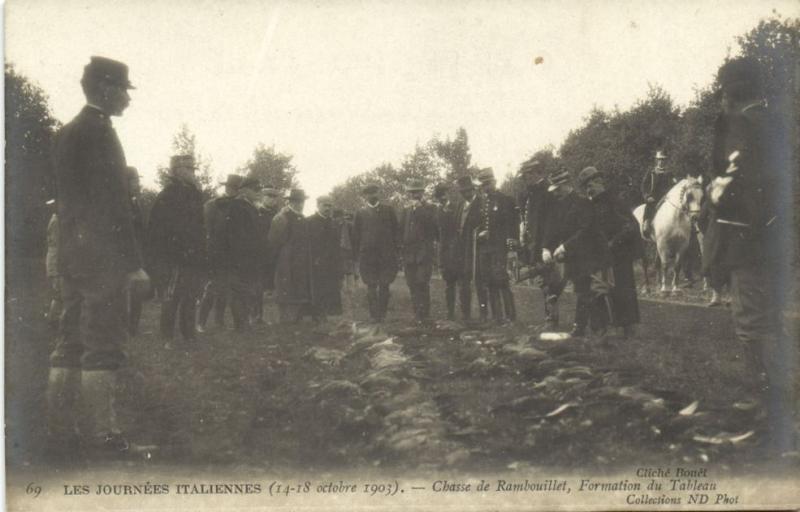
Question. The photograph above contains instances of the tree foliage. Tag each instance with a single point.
(184, 142)
(271, 167)
(30, 128)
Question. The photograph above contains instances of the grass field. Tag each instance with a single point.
(291, 397)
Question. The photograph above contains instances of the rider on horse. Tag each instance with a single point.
(655, 185)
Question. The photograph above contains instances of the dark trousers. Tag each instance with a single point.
(757, 307)
(180, 302)
(492, 284)
(464, 286)
(102, 299)
(377, 301)
(591, 309)
(418, 279)
(135, 301)
(215, 295)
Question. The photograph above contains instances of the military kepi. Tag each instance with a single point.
(103, 69)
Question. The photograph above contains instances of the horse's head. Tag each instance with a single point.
(691, 197)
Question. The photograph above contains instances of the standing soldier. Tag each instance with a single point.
(620, 232)
(98, 260)
(215, 216)
(270, 205)
(324, 235)
(135, 297)
(177, 239)
(537, 204)
(655, 185)
(572, 236)
(418, 228)
(241, 252)
(288, 238)
(751, 197)
(468, 220)
(375, 237)
(498, 232)
(451, 252)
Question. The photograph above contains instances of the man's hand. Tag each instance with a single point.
(483, 235)
(547, 256)
(138, 282)
(559, 252)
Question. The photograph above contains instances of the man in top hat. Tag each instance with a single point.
(289, 240)
(451, 257)
(751, 207)
(535, 205)
(215, 216)
(324, 234)
(177, 241)
(98, 259)
(418, 234)
(655, 185)
(468, 219)
(498, 232)
(375, 240)
(271, 202)
(571, 236)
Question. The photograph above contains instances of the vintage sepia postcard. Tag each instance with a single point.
(402, 255)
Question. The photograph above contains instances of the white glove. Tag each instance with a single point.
(559, 252)
(547, 257)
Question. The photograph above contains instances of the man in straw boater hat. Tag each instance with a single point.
(572, 237)
(375, 237)
(418, 234)
(215, 215)
(288, 239)
(98, 260)
(176, 241)
(751, 208)
(498, 232)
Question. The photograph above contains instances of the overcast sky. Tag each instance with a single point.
(344, 86)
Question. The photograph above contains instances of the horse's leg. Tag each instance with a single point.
(676, 270)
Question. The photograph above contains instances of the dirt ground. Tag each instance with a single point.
(446, 396)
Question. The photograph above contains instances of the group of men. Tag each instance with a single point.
(587, 238)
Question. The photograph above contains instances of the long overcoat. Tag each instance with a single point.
(176, 232)
(288, 238)
(324, 236)
(375, 243)
(451, 251)
(572, 223)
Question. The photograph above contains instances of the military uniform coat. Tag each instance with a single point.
(289, 239)
(96, 232)
(375, 241)
(468, 218)
(326, 264)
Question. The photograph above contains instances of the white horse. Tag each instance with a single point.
(672, 226)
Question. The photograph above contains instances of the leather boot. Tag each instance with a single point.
(63, 393)
(508, 304)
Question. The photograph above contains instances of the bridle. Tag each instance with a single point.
(683, 207)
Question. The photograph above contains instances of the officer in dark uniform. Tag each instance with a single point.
(241, 252)
(621, 234)
(98, 260)
(418, 234)
(535, 206)
(751, 198)
(655, 185)
(498, 233)
(572, 236)
(177, 239)
(451, 257)
(468, 219)
(375, 240)
(215, 215)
